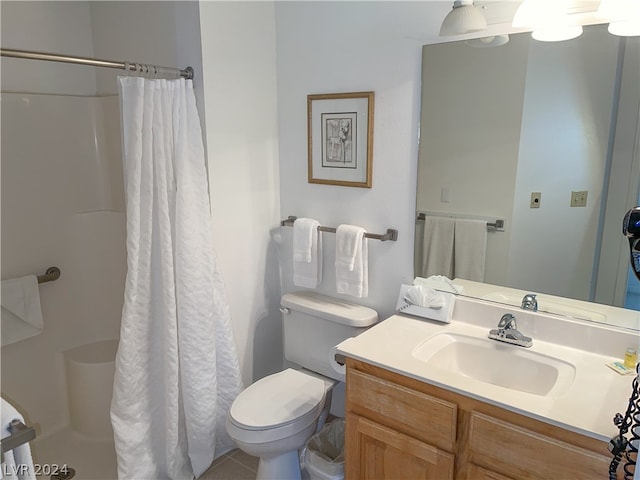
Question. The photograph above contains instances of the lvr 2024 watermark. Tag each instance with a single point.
(44, 469)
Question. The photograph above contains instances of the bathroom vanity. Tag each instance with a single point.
(442, 401)
(398, 427)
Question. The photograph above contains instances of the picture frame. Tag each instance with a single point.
(340, 138)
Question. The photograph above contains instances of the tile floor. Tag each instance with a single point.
(235, 465)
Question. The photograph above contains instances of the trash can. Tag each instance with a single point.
(323, 456)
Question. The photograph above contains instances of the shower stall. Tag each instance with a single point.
(63, 202)
(63, 205)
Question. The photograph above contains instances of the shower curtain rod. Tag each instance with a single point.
(54, 57)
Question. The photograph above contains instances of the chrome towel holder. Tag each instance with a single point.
(391, 235)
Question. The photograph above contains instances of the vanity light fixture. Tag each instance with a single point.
(557, 33)
(623, 16)
(463, 18)
(549, 19)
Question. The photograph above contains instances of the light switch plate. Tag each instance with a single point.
(579, 198)
(444, 194)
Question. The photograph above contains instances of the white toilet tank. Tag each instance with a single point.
(314, 324)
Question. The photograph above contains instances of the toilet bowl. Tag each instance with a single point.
(275, 417)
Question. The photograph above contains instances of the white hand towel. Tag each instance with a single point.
(21, 312)
(304, 229)
(352, 261)
(470, 249)
(18, 463)
(307, 253)
(437, 246)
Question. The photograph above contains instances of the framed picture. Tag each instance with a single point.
(340, 143)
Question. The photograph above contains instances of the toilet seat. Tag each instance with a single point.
(277, 406)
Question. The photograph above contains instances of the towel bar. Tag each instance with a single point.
(391, 234)
(20, 434)
(52, 273)
(497, 225)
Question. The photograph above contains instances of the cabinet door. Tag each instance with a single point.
(521, 453)
(376, 452)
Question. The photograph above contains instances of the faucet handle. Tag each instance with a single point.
(507, 321)
(529, 302)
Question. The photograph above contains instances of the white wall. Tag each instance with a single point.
(159, 33)
(239, 58)
(332, 47)
(57, 27)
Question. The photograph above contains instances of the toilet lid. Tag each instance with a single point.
(277, 400)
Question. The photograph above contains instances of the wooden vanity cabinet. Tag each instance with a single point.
(400, 428)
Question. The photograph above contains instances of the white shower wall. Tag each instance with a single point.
(62, 205)
(52, 27)
(62, 193)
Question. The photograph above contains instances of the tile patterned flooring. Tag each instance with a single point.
(235, 465)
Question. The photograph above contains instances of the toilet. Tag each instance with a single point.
(274, 417)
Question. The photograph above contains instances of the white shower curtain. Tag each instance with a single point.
(177, 368)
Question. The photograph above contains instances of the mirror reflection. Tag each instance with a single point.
(543, 136)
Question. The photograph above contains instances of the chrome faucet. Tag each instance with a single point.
(529, 302)
(508, 332)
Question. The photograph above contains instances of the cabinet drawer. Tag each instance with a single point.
(475, 472)
(520, 453)
(409, 411)
(375, 452)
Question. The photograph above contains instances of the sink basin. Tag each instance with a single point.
(496, 363)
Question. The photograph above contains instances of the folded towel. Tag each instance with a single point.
(470, 249)
(437, 246)
(18, 463)
(307, 253)
(21, 312)
(352, 261)
(304, 229)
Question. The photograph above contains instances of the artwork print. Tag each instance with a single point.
(339, 140)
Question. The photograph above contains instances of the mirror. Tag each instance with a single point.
(517, 131)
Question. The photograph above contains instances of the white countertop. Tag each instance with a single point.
(586, 406)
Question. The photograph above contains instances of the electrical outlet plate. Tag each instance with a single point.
(579, 198)
(535, 199)
(444, 194)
